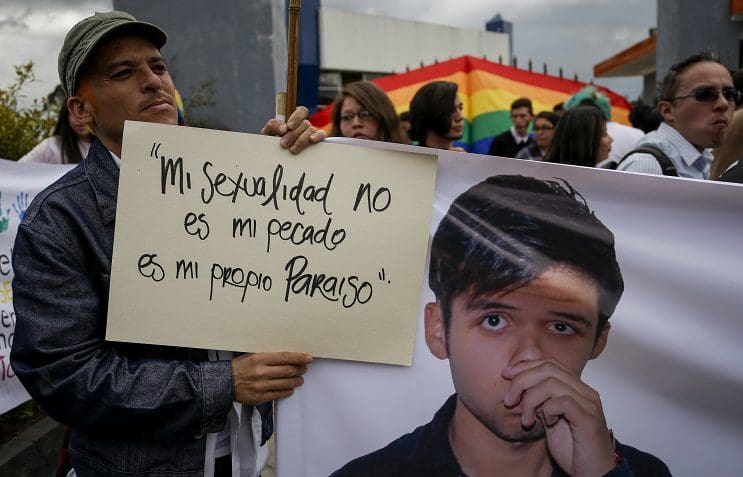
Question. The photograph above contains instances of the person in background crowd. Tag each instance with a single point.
(624, 137)
(436, 116)
(697, 98)
(134, 409)
(580, 138)
(734, 173)
(731, 149)
(363, 111)
(544, 129)
(645, 118)
(508, 143)
(559, 108)
(68, 145)
(405, 127)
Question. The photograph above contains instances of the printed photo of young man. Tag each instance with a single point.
(525, 278)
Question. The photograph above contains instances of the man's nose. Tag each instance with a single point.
(151, 81)
(721, 103)
(527, 347)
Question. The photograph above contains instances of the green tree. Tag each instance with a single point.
(22, 128)
(201, 97)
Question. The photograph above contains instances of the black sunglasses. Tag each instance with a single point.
(709, 94)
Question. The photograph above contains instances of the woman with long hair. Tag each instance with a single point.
(363, 111)
(68, 145)
(436, 116)
(580, 138)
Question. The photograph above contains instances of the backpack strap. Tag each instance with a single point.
(663, 161)
(612, 164)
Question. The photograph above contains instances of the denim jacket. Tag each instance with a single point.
(135, 410)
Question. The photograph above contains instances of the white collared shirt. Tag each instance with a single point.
(519, 139)
(687, 159)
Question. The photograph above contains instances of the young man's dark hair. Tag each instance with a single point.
(550, 116)
(667, 88)
(645, 117)
(508, 230)
(431, 109)
(522, 103)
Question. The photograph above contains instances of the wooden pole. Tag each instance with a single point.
(293, 57)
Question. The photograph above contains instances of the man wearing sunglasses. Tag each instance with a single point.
(697, 99)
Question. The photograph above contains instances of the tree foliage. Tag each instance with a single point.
(23, 127)
(201, 97)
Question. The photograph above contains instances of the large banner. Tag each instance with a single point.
(19, 184)
(670, 378)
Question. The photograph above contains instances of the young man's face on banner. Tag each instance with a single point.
(554, 317)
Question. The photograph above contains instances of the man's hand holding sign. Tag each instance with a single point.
(263, 377)
(296, 133)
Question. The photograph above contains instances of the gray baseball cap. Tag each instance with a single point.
(82, 39)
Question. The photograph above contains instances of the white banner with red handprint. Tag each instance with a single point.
(19, 184)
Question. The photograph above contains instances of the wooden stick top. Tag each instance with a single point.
(293, 57)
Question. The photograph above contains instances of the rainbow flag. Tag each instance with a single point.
(487, 90)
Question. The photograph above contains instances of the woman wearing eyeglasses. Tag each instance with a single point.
(544, 128)
(364, 111)
(580, 138)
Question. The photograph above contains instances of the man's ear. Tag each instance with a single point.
(79, 108)
(600, 344)
(435, 330)
(666, 110)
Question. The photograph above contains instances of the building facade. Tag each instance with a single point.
(684, 27)
(231, 59)
(354, 46)
(230, 56)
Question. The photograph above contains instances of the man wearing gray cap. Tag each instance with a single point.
(135, 410)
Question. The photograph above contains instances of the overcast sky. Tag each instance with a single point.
(574, 34)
